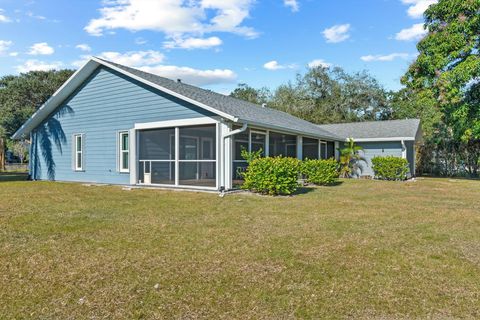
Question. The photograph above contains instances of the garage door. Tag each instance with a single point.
(377, 149)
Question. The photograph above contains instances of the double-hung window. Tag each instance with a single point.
(124, 155)
(78, 152)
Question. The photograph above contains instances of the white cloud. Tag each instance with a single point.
(140, 41)
(81, 61)
(337, 33)
(35, 16)
(319, 63)
(193, 76)
(130, 58)
(4, 46)
(4, 18)
(41, 48)
(418, 7)
(292, 4)
(13, 54)
(31, 65)
(174, 17)
(151, 61)
(388, 57)
(415, 32)
(193, 43)
(84, 47)
(134, 58)
(274, 65)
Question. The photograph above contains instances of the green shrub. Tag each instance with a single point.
(252, 155)
(273, 176)
(390, 168)
(320, 172)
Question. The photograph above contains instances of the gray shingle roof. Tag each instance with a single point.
(375, 129)
(245, 111)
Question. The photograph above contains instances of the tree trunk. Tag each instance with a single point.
(2, 154)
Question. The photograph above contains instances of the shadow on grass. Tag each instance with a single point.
(451, 178)
(311, 188)
(334, 184)
(13, 176)
(303, 190)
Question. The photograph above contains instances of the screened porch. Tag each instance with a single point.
(178, 156)
(274, 144)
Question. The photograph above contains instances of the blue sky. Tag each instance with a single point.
(214, 43)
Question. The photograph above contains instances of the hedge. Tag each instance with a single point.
(390, 168)
(320, 172)
(272, 176)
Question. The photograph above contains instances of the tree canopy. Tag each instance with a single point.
(250, 94)
(325, 95)
(21, 95)
(448, 64)
(443, 83)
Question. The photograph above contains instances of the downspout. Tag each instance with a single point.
(237, 131)
(404, 150)
(32, 156)
(229, 134)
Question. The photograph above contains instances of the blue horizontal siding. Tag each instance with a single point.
(411, 155)
(106, 103)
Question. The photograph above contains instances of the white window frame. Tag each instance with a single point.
(76, 153)
(322, 144)
(121, 151)
(253, 131)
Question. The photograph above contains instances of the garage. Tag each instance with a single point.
(397, 138)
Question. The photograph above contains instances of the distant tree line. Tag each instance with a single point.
(325, 95)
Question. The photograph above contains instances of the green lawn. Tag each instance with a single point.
(362, 249)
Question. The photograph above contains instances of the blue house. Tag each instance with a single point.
(113, 124)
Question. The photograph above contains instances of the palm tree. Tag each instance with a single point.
(350, 159)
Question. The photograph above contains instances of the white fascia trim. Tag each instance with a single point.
(58, 97)
(175, 123)
(382, 139)
(278, 129)
(168, 91)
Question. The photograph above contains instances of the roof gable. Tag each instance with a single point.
(227, 107)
